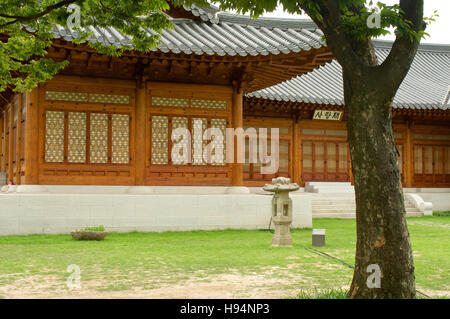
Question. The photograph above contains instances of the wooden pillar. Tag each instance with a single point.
(3, 144)
(238, 122)
(32, 137)
(297, 153)
(141, 123)
(11, 142)
(409, 156)
(19, 139)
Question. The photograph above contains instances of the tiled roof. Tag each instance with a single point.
(219, 33)
(424, 87)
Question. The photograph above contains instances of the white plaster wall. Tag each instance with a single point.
(55, 212)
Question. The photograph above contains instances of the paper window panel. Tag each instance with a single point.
(307, 157)
(109, 98)
(400, 158)
(160, 136)
(319, 161)
(99, 138)
(170, 101)
(438, 160)
(219, 141)
(418, 169)
(434, 137)
(428, 159)
(331, 157)
(179, 122)
(199, 126)
(209, 104)
(120, 130)
(76, 148)
(284, 156)
(66, 96)
(343, 158)
(54, 137)
(447, 160)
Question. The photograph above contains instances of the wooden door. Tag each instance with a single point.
(325, 161)
(431, 165)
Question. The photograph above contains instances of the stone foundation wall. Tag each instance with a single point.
(54, 213)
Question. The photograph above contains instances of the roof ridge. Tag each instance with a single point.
(430, 47)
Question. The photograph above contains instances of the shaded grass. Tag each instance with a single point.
(438, 213)
(330, 293)
(126, 261)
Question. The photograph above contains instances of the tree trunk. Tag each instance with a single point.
(382, 233)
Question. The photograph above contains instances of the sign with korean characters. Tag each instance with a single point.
(327, 115)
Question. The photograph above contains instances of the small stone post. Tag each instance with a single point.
(281, 209)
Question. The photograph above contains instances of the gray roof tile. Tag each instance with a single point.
(424, 87)
(219, 33)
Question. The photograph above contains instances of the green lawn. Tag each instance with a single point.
(232, 263)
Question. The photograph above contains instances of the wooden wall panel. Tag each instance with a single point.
(87, 173)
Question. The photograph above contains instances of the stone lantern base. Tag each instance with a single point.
(282, 236)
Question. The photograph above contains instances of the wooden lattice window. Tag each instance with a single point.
(161, 148)
(199, 125)
(120, 138)
(99, 138)
(105, 137)
(160, 139)
(54, 137)
(218, 141)
(179, 122)
(194, 103)
(77, 137)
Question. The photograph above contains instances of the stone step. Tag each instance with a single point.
(349, 209)
(329, 187)
(345, 206)
(353, 215)
(345, 216)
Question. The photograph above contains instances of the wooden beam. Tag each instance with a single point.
(32, 138)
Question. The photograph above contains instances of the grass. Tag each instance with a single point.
(437, 213)
(330, 293)
(146, 261)
(96, 228)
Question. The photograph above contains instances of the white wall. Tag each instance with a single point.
(53, 213)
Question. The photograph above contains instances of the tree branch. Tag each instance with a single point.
(36, 15)
(337, 39)
(399, 60)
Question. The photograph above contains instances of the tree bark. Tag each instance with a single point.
(382, 233)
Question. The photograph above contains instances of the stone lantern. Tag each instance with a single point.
(281, 209)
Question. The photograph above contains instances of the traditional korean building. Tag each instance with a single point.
(108, 120)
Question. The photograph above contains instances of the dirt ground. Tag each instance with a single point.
(227, 286)
(259, 285)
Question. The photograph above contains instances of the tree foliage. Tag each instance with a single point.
(25, 33)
